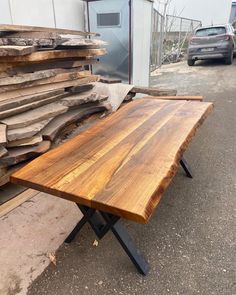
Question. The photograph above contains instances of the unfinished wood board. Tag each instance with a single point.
(9, 52)
(31, 39)
(81, 42)
(34, 116)
(3, 152)
(123, 164)
(44, 88)
(26, 132)
(81, 88)
(28, 99)
(3, 134)
(109, 80)
(14, 68)
(3, 170)
(54, 54)
(21, 154)
(71, 75)
(22, 79)
(51, 131)
(17, 201)
(9, 191)
(20, 28)
(31, 106)
(154, 91)
(196, 98)
(78, 99)
(25, 142)
(5, 178)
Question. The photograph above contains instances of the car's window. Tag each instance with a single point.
(210, 31)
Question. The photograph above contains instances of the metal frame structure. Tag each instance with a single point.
(102, 223)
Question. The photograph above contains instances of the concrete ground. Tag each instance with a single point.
(190, 241)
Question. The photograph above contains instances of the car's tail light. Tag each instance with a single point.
(193, 40)
(227, 37)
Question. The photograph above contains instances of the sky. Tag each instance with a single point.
(207, 11)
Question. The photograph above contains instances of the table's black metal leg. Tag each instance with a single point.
(128, 245)
(101, 223)
(77, 228)
(186, 168)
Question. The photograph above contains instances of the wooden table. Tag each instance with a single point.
(121, 167)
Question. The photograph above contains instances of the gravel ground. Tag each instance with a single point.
(190, 241)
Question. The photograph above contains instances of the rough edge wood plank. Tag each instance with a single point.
(15, 68)
(28, 99)
(26, 132)
(194, 98)
(35, 140)
(65, 75)
(80, 89)
(21, 79)
(52, 130)
(3, 151)
(22, 28)
(109, 80)
(21, 154)
(30, 106)
(17, 201)
(15, 51)
(47, 87)
(33, 116)
(3, 134)
(154, 91)
(54, 54)
(75, 100)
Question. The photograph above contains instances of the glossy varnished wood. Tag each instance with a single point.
(124, 164)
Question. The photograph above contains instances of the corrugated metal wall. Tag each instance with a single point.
(52, 13)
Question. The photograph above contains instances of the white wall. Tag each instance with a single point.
(69, 14)
(207, 11)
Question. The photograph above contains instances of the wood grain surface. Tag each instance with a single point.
(54, 54)
(22, 28)
(123, 164)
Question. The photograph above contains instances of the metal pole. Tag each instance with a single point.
(10, 10)
(54, 13)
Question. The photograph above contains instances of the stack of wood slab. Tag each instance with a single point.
(45, 85)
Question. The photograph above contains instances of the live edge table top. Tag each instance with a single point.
(123, 164)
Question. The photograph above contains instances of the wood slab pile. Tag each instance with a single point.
(45, 85)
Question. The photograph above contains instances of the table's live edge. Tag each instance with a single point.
(154, 199)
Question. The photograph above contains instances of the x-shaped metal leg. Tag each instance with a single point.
(186, 168)
(101, 223)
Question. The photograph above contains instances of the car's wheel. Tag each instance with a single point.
(230, 58)
(191, 62)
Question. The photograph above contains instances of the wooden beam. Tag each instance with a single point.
(153, 91)
(55, 54)
(196, 98)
